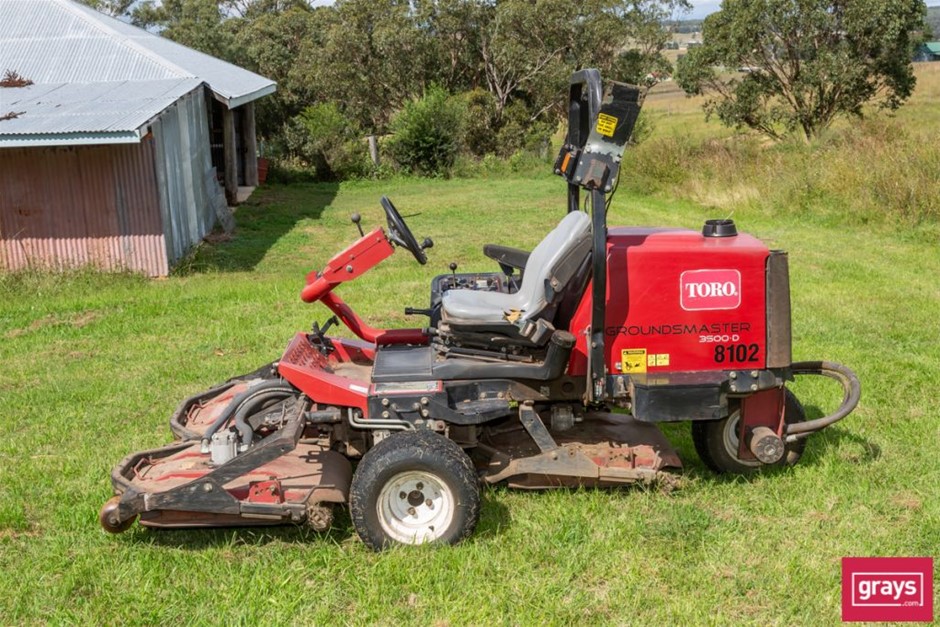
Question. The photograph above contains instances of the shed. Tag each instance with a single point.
(113, 140)
(929, 51)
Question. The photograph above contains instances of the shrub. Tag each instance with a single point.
(480, 122)
(333, 143)
(427, 133)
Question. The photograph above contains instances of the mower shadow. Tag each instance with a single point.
(494, 519)
(198, 539)
(266, 217)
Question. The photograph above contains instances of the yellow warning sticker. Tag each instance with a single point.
(606, 125)
(633, 360)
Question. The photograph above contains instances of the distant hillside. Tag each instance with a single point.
(694, 26)
(933, 20)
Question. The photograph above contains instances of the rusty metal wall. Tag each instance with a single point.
(85, 205)
(185, 177)
(139, 207)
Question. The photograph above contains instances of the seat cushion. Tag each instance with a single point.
(531, 298)
(478, 305)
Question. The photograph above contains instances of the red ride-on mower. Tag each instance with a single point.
(513, 380)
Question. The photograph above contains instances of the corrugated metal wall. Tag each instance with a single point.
(184, 172)
(86, 205)
(125, 206)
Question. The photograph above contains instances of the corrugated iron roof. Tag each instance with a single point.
(933, 47)
(101, 74)
(61, 41)
(85, 113)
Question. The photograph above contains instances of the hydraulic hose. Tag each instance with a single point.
(245, 432)
(851, 386)
(238, 405)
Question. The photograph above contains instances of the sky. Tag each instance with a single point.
(701, 8)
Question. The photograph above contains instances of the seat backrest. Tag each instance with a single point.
(571, 234)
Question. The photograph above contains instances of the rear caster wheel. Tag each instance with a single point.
(414, 487)
(319, 516)
(716, 441)
(109, 520)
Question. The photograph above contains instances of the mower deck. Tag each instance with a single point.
(604, 450)
(307, 474)
(280, 479)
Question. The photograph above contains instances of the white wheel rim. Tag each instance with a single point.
(415, 507)
(732, 442)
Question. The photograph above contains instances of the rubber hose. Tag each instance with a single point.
(851, 386)
(226, 415)
(245, 432)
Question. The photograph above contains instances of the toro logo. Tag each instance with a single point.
(710, 289)
(887, 589)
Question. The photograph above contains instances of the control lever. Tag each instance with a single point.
(356, 218)
(317, 336)
(320, 332)
(411, 311)
(453, 270)
(329, 323)
(427, 243)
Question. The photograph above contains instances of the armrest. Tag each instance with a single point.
(507, 258)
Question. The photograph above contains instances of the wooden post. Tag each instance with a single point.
(374, 150)
(231, 165)
(250, 141)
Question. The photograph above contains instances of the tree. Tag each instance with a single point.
(280, 40)
(114, 8)
(199, 24)
(372, 59)
(648, 26)
(804, 62)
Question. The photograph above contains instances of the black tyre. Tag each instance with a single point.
(716, 441)
(414, 487)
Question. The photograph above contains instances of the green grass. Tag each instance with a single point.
(94, 365)
(880, 169)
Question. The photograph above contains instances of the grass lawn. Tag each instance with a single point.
(93, 366)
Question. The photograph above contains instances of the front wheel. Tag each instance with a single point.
(716, 441)
(414, 487)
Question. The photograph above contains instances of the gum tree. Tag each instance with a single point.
(796, 65)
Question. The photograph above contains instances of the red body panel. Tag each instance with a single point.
(364, 254)
(678, 301)
(377, 336)
(323, 379)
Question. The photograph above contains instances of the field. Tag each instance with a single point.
(93, 365)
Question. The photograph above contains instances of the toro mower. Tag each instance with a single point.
(513, 380)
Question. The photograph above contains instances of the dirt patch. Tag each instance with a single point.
(218, 237)
(77, 321)
(906, 500)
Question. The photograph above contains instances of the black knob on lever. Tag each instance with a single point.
(356, 218)
(427, 243)
(453, 268)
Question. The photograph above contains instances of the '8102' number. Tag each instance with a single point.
(736, 353)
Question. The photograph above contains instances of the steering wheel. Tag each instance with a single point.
(399, 232)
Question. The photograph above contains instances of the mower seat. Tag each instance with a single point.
(549, 268)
